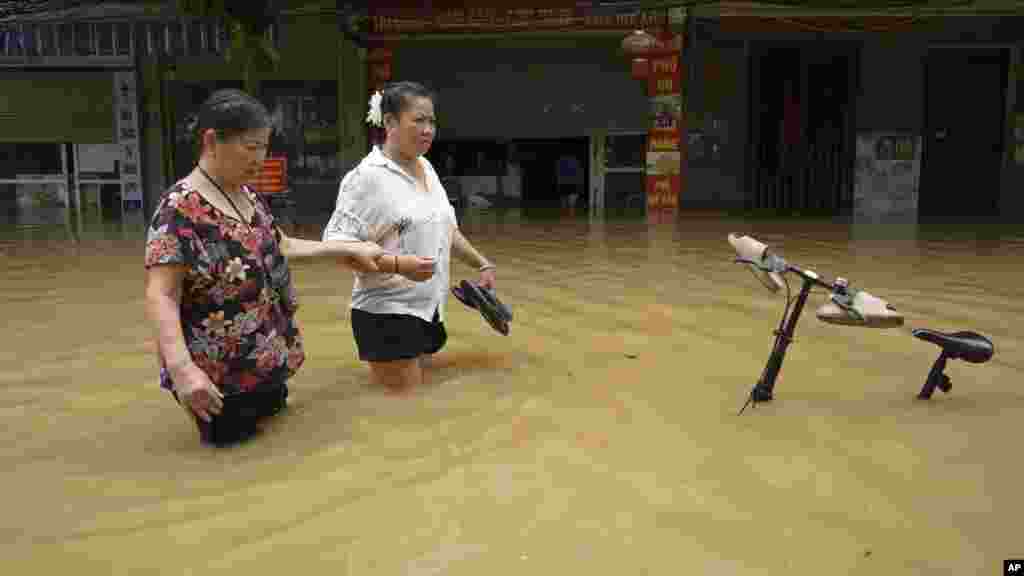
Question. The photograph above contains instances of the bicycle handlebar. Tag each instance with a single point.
(845, 306)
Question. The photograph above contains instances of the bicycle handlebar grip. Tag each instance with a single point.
(874, 312)
(749, 249)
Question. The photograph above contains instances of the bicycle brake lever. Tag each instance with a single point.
(843, 297)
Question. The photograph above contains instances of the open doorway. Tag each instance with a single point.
(473, 173)
(538, 176)
(802, 118)
(555, 175)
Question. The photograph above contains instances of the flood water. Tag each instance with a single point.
(600, 437)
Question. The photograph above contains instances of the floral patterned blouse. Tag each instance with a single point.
(238, 304)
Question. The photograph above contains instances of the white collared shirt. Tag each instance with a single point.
(378, 201)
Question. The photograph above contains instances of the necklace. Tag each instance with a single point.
(226, 197)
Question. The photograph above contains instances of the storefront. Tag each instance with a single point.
(313, 128)
(842, 115)
(526, 103)
(69, 130)
(874, 119)
(534, 104)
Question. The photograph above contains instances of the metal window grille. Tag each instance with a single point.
(123, 39)
(105, 38)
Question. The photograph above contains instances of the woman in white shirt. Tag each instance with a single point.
(395, 197)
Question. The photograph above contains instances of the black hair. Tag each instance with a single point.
(395, 97)
(230, 112)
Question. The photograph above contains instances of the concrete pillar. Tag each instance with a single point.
(352, 104)
(154, 178)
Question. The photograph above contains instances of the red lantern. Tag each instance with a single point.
(638, 43)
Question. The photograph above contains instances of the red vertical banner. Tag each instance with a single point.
(664, 146)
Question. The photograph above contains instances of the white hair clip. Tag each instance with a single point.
(374, 116)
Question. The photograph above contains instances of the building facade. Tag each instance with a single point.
(896, 117)
(874, 117)
(82, 110)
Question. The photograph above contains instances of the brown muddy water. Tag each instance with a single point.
(600, 437)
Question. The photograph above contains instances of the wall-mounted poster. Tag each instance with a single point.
(888, 171)
(99, 161)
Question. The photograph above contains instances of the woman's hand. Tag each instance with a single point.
(415, 268)
(488, 279)
(361, 256)
(465, 252)
(196, 392)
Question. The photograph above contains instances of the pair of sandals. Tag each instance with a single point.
(485, 301)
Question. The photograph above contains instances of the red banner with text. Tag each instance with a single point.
(664, 146)
(387, 21)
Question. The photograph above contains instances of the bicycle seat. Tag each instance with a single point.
(965, 345)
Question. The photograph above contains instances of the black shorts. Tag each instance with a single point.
(388, 337)
(240, 412)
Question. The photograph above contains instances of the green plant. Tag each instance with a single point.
(248, 24)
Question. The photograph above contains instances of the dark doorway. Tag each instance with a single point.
(544, 186)
(110, 200)
(471, 170)
(526, 173)
(801, 121)
(965, 111)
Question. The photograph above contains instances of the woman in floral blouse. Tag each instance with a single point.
(218, 286)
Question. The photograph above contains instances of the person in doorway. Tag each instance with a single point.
(395, 198)
(218, 288)
(512, 187)
(570, 180)
(791, 131)
(451, 183)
